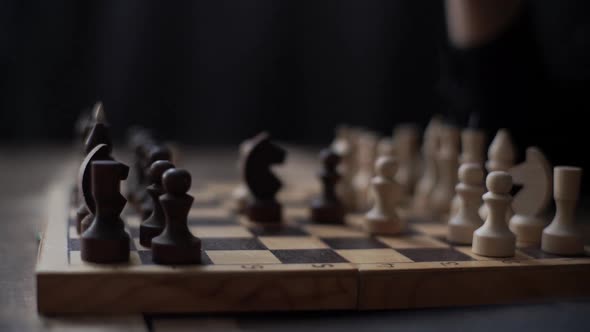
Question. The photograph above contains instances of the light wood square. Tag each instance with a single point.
(518, 256)
(413, 241)
(204, 212)
(242, 257)
(333, 231)
(292, 242)
(432, 229)
(73, 232)
(368, 256)
(220, 231)
(76, 259)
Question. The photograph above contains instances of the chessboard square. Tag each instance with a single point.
(373, 256)
(207, 212)
(333, 231)
(432, 229)
(292, 242)
(242, 257)
(308, 256)
(276, 230)
(434, 255)
(220, 231)
(354, 243)
(212, 221)
(519, 256)
(537, 253)
(74, 244)
(412, 241)
(73, 232)
(232, 244)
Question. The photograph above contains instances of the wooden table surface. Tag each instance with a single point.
(25, 172)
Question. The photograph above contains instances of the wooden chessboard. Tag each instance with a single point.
(297, 266)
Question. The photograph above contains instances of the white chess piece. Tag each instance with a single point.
(534, 174)
(427, 182)
(501, 156)
(241, 195)
(472, 151)
(469, 190)
(366, 154)
(383, 217)
(406, 140)
(494, 238)
(447, 165)
(563, 236)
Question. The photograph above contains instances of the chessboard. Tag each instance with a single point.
(296, 266)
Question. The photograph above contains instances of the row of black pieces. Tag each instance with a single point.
(106, 241)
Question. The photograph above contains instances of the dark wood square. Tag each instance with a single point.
(146, 258)
(279, 230)
(434, 254)
(308, 256)
(212, 221)
(232, 244)
(538, 253)
(353, 243)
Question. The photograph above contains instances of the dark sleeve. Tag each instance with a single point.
(494, 79)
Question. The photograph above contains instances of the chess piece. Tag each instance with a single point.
(106, 240)
(405, 141)
(447, 160)
(261, 182)
(501, 156)
(427, 182)
(155, 152)
(494, 238)
(327, 208)
(100, 152)
(154, 225)
(240, 194)
(344, 145)
(99, 134)
(534, 175)
(383, 217)
(563, 236)
(473, 151)
(176, 245)
(469, 190)
(366, 154)
(81, 213)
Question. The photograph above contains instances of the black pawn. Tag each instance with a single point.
(176, 245)
(106, 240)
(155, 153)
(154, 225)
(328, 208)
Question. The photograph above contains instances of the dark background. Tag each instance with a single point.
(211, 72)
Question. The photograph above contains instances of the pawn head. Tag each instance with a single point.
(176, 181)
(386, 167)
(157, 169)
(499, 182)
(159, 152)
(471, 174)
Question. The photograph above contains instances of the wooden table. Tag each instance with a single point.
(25, 174)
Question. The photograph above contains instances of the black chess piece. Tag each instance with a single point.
(176, 245)
(328, 208)
(99, 134)
(106, 240)
(154, 153)
(261, 182)
(154, 225)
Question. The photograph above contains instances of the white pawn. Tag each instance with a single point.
(427, 183)
(563, 236)
(447, 163)
(494, 238)
(469, 190)
(473, 151)
(501, 156)
(383, 217)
